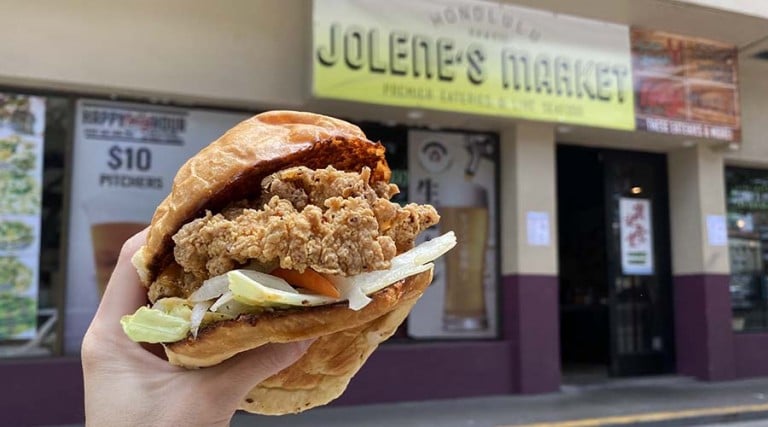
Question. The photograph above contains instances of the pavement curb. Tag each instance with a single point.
(689, 417)
(697, 421)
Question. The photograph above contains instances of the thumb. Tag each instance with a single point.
(235, 377)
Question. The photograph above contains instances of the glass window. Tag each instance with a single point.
(747, 202)
(34, 135)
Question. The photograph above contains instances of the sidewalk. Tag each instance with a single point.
(653, 401)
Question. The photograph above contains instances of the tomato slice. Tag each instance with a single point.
(309, 280)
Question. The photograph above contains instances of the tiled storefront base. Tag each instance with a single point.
(41, 392)
(526, 359)
(707, 347)
(703, 335)
(750, 354)
(531, 324)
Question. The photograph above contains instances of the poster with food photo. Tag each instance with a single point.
(685, 86)
(662, 97)
(18, 296)
(710, 61)
(713, 104)
(654, 52)
(18, 316)
(22, 123)
(18, 234)
(125, 158)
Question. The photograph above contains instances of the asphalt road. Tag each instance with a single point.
(623, 402)
(759, 423)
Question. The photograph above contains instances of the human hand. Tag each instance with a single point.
(127, 385)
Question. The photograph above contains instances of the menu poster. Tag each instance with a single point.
(22, 124)
(685, 86)
(636, 236)
(125, 158)
(456, 173)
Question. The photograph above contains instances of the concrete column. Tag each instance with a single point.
(530, 282)
(702, 304)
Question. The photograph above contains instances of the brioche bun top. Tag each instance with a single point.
(232, 167)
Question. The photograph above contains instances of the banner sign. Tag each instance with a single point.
(125, 158)
(476, 57)
(685, 86)
(456, 173)
(636, 236)
(22, 124)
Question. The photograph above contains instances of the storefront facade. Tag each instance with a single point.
(546, 181)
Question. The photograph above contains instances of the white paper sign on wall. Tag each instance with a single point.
(537, 226)
(717, 232)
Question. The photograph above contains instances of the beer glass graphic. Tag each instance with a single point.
(113, 218)
(463, 208)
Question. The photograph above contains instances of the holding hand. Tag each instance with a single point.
(129, 385)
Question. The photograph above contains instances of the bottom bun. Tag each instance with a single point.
(344, 340)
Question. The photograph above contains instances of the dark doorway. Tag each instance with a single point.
(584, 324)
(615, 308)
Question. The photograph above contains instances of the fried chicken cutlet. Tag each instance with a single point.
(331, 221)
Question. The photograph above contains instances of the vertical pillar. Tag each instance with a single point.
(529, 267)
(702, 303)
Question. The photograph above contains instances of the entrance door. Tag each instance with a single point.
(638, 263)
(615, 302)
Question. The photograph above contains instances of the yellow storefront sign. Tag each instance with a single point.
(474, 57)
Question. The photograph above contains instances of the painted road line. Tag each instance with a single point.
(651, 417)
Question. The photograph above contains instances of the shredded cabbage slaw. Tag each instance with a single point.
(249, 291)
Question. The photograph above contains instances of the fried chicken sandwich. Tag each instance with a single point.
(283, 230)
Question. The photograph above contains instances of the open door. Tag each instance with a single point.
(638, 263)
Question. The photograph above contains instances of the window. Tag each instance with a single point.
(31, 221)
(747, 204)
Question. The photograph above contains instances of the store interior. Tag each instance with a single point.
(584, 323)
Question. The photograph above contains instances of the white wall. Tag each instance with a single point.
(696, 190)
(228, 51)
(746, 7)
(528, 174)
(754, 115)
